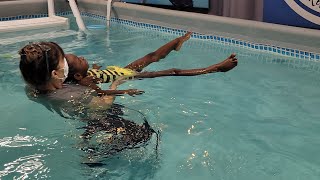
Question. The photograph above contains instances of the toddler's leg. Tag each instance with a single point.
(223, 66)
(160, 53)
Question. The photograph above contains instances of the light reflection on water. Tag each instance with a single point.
(24, 167)
(30, 166)
(20, 141)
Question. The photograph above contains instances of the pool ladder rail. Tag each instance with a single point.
(109, 4)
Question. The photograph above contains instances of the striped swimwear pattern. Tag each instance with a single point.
(111, 73)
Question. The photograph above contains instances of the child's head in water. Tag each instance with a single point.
(78, 67)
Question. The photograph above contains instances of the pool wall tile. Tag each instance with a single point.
(236, 42)
(205, 37)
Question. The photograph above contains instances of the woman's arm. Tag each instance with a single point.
(130, 92)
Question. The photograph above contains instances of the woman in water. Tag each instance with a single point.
(44, 68)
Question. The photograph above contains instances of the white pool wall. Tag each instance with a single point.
(29, 7)
(248, 30)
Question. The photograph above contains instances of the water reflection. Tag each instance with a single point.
(20, 141)
(199, 160)
(140, 164)
(117, 147)
(23, 167)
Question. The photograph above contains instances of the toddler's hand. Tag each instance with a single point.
(95, 66)
(89, 80)
(133, 92)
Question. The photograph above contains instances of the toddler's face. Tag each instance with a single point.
(77, 64)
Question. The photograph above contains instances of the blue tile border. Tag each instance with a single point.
(33, 16)
(96, 16)
(218, 39)
(227, 41)
(23, 17)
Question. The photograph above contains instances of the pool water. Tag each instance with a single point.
(258, 121)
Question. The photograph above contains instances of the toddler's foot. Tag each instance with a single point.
(182, 39)
(228, 63)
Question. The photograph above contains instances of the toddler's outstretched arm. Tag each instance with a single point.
(91, 82)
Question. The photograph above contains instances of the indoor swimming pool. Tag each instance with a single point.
(257, 121)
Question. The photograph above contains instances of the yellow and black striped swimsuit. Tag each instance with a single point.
(111, 73)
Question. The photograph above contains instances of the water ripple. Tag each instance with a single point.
(20, 141)
(23, 167)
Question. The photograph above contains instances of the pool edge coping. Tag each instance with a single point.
(274, 49)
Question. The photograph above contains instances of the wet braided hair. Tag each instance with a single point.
(38, 60)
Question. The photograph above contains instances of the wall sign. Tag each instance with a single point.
(311, 4)
(303, 13)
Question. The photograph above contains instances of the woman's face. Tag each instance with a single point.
(58, 76)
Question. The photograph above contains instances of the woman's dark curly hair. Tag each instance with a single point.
(38, 60)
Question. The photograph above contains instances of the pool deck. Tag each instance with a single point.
(34, 23)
